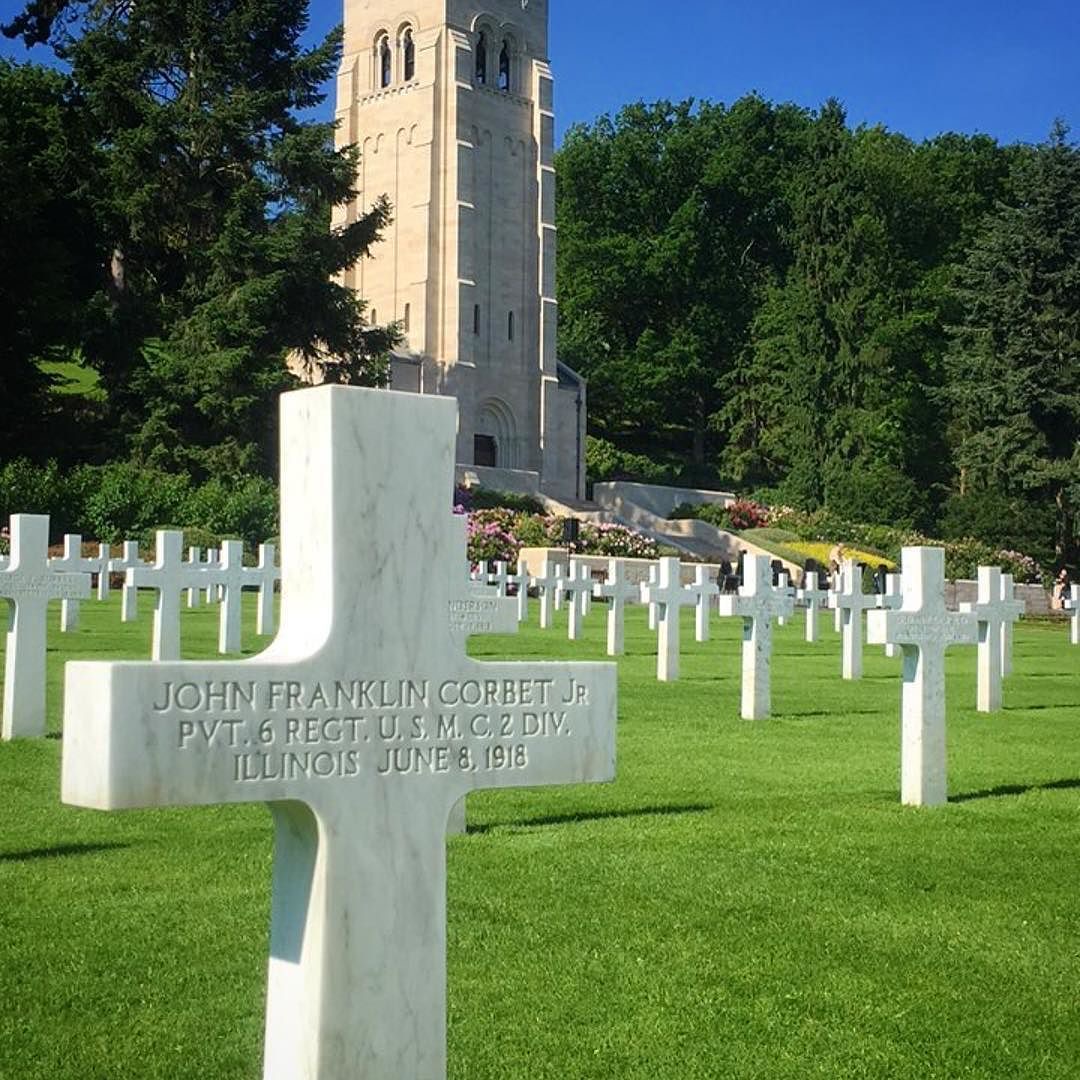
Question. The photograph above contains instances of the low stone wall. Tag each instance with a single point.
(1035, 597)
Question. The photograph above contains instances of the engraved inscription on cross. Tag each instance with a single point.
(758, 603)
(925, 629)
(28, 584)
(361, 726)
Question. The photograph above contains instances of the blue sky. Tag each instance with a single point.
(1004, 67)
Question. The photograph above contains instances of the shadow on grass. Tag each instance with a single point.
(817, 713)
(60, 851)
(1006, 790)
(585, 815)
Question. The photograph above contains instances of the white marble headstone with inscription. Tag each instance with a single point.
(925, 629)
(28, 583)
(361, 726)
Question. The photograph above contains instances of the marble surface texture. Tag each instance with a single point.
(361, 726)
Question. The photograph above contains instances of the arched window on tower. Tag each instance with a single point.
(504, 67)
(386, 62)
(408, 55)
(481, 59)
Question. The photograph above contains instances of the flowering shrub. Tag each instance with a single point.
(499, 536)
(490, 538)
(746, 514)
(735, 517)
(615, 542)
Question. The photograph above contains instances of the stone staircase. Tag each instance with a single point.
(695, 539)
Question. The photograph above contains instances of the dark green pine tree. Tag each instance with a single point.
(214, 194)
(49, 252)
(1014, 362)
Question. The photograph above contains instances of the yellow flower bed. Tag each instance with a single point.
(814, 549)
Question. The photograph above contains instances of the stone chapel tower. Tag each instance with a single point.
(451, 105)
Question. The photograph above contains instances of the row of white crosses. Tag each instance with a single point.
(29, 580)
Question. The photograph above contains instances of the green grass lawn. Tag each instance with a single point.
(745, 901)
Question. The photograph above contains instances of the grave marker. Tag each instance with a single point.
(547, 584)
(361, 726)
(521, 581)
(264, 576)
(619, 592)
(1073, 605)
(924, 629)
(989, 612)
(72, 562)
(851, 602)
(104, 558)
(813, 598)
(1015, 610)
(500, 578)
(669, 597)
(757, 603)
(784, 584)
(28, 583)
(702, 592)
(195, 560)
(574, 587)
(652, 581)
(890, 600)
(129, 596)
(169, 576)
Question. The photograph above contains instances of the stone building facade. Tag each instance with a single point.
(451, 103)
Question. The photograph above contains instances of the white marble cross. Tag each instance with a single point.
(500, 578)
(169, 576)
(129, 596)
(560, 581)
(702, 593)
(757, 603)
(784, 584)
(194, 559)
(264, 576)
(989, 612)
(104, 558)
(836, 587)
(1073, 605)
(574, 588)
(520, 581)
(1015, 610)
(669, 597)
(361, 727)
(851, 602)
(618, 592)
(584, 596)
(547, 583)
(215, 592)
(28, 583)
(890, 600)
(813, 598)
(232, 579)
(652, 580)
(72, 562)
(925, 629)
